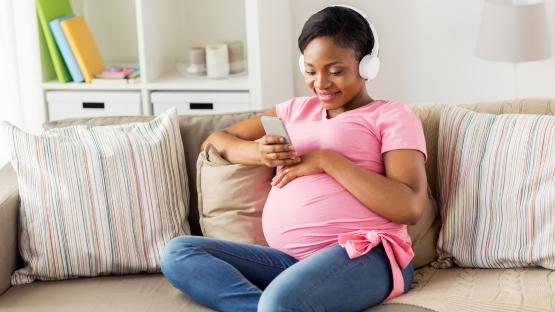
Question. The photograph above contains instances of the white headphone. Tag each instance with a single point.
(369, 66)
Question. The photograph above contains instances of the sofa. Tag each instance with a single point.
(434, 289)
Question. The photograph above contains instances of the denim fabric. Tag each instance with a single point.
(229, 276)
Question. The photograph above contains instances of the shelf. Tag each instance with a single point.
(170, 81)
(174, 81)
(152, 34)
(54, 85)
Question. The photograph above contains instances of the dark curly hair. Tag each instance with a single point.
(347, 29)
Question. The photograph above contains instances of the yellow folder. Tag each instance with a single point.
(83, 46)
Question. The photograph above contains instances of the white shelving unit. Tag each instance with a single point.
(152, 34)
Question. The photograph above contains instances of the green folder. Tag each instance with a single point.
(48, 10)
(48, 71)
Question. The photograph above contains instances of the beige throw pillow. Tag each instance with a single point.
(231, 198)
(424, 234)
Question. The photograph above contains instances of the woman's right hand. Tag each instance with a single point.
(273, 152)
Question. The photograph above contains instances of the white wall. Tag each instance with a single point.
(427, 53)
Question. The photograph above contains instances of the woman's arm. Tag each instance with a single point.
(399, 196)
(236, 144)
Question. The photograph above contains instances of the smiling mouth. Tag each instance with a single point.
(327, 96)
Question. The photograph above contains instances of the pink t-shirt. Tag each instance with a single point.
(311, 212)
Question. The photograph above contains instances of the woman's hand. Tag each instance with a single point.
(274, 153)
(312, 163)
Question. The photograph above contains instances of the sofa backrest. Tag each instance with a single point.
(196, 128)
(429, 114)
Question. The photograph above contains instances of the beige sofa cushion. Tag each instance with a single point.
(231, 198)
(137, 293)
(472, 289)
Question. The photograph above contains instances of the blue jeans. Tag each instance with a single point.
(229, 276)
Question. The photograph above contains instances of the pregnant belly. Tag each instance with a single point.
(309, 213)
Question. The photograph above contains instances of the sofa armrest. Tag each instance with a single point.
(9, 214)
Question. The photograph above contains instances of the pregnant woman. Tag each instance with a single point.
(335, 219)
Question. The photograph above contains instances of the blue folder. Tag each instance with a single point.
(65, 50)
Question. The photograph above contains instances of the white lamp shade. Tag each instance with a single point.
(514, 33)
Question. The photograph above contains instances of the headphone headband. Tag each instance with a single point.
(376, 47)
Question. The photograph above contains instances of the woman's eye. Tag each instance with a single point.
(310, 73)
(335, 73)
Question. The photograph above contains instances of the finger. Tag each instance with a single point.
(280, 175)
(272, 139)
(282, 148)
(265, 140)
(281, 155)
(287, 175)
(277, 148)
(281, 162)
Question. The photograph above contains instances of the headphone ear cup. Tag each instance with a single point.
(301, 64)
(369, 67)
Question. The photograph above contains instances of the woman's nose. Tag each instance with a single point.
(321, 82)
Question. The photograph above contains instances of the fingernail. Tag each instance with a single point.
(291, 147)
(281, 139)
(298, 159)
(294, 154)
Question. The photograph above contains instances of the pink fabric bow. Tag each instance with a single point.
(398, 251)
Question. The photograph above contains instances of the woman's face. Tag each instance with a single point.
(331, 72)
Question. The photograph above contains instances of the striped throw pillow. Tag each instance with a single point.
(98, 200)
(497, 189)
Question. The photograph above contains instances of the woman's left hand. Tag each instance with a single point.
(311, 163)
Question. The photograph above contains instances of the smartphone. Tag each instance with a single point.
(275, 126)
